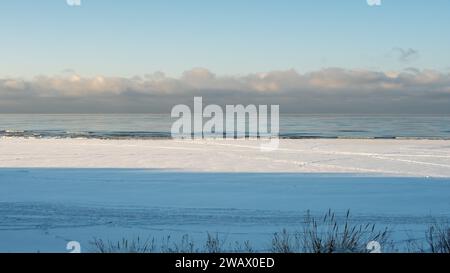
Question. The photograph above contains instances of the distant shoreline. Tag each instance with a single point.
(167, 136)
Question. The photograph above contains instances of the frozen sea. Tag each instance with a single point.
(48, 197)
(148, 126)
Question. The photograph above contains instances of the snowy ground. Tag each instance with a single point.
(53, 191)
(417, 158)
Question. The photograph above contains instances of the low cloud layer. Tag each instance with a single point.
(332, 90)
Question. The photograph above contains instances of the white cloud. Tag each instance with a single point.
(327, 90)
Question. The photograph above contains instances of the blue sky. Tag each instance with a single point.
(316, 56)
(232, 37)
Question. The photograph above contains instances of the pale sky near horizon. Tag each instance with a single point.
(310, 56)
(232, 37)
